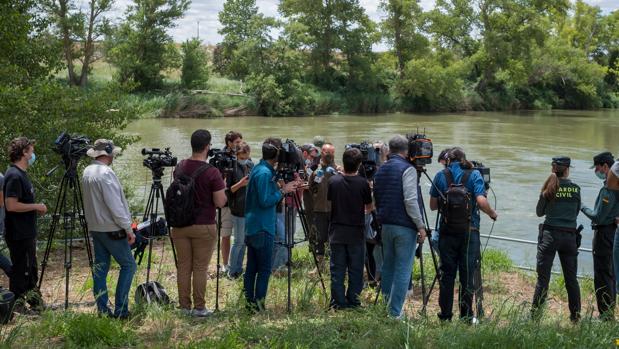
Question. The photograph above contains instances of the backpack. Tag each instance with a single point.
(180, 203)
(456, 205)
(7, 302)
(151, 292)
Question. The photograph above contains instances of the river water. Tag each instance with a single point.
(516, 146)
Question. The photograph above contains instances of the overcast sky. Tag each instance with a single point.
(205, 12)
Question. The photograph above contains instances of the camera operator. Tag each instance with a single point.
(318, 187)
(107, 214)
(396, 197)
(263, 195)
(233, 140)
(442, 159)
(21, 224)
(459, 244)
(236, 202)
(5, 263)
(603, 219)
(195, 243)
(350, 198)
(559, 201)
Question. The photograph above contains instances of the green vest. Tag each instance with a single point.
(563, 209)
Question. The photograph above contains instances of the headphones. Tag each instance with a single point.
(109, 148)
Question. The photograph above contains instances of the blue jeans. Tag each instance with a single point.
(616, 258)
(259, 258)
(346, 259)
(280, 253)
(237, 252)
(104, 247)
(399, 244)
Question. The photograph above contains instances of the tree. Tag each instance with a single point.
(402, 28)
(78, 33)
(194, 72)
(27, 53)
(140, 47)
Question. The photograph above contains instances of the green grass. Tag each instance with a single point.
(310, 325)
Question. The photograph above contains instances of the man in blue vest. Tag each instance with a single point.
(459, 247)
(395, 194)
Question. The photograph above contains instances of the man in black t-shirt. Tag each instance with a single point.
(21, 222)
(350, 198)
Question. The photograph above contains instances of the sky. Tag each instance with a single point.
(205, 12)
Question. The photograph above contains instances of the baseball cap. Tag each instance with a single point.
(562, 161)
(603, 158)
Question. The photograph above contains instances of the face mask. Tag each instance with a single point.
(32, 159)
(599, 175)
(308, 162)
(243, 162)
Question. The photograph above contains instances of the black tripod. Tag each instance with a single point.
(151, 212)
(289, 243)
(70, 206)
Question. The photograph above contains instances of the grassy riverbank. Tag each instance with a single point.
(507, 324)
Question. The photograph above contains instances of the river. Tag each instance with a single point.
(516, 146)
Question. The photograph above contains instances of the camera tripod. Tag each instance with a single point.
(151, 212)
(289, 242)
(70, 206)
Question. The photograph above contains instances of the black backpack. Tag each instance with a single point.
(151, 292)
(180, 202)
(456, 207)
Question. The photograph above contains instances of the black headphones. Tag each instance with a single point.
(109, 148)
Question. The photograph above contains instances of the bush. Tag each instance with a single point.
(194, 72)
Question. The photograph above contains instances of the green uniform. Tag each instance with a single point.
(603, 220)
(563, 210)
(558, 235)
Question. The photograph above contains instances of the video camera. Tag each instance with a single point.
(420, 150)
(71, 147)
(484, 171)
(290, 161)
(158, 158)
(371, 158)
(222, 160)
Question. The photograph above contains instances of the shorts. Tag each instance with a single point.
(226, 222)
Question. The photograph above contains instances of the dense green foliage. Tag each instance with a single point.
(140, 46)
(194, 71)
(34, 105)
(461, 55)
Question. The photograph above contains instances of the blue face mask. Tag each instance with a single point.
(600, 175)
(32, 159)
(243, 162)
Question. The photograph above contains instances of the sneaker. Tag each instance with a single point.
(185, 311)
(124, 316)
(201, 312)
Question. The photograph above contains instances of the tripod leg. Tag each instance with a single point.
(161, 193)
(84, 227)
(218, 256)
(423, 277)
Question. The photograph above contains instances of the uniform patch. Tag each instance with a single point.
(605, 201)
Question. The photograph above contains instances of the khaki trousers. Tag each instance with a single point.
(194, 248)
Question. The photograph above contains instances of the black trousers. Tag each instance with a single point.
(550, 242)
(320, 236)
(24, 276)
(459, 254)
(603, 274)
(370, 262)
(346, 260)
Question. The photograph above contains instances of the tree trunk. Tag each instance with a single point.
(88, 46)
(67, 44)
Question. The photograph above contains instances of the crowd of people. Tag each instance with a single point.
(356, 222)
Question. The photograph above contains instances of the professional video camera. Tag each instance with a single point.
(158, 158)
(222, 160)
(484, 171)
(420, 150)
(71, 147)
(290, 161)
(371, 157)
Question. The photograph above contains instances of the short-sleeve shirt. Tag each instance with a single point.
(19, 225)
(348, 196)
(475, 186)
(209, 182)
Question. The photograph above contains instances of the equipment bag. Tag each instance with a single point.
(151, 292)
(180, 203)
(456, 207)
(7, 302)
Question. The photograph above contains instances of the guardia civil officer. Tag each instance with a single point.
(602, 217)
(559, 202)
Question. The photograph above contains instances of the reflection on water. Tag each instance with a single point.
(517, 148)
